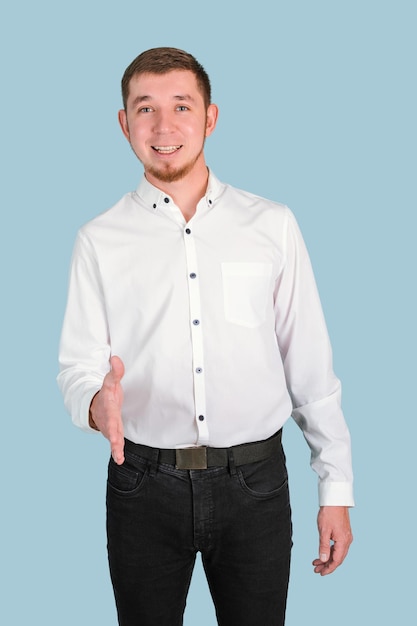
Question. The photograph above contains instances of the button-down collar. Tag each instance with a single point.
(157, 200)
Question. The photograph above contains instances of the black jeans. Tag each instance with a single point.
(239, 518)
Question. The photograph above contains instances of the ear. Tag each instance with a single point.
(123, 124)
(212, 115)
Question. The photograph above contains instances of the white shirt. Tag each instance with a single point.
(218, 323)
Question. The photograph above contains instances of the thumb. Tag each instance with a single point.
(117, 369)
(324, 547)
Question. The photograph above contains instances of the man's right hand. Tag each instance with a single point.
(106, 409)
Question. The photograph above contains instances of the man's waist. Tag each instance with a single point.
(203, 457)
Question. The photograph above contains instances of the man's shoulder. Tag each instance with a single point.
(110, 216)
(253, 201)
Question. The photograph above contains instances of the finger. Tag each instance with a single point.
(117, 369)
(339, 552)
(117, 445)
(118, 454)
(337, 556)
(323, 568)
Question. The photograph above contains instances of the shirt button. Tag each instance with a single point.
(196, 322)
(201, 418)
(192, 275)
(154, 206)
(188, 231)
(198, 370)
(166, 200)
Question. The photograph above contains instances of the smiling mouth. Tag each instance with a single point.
(166, 149)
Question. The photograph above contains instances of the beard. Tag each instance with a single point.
(168, 173)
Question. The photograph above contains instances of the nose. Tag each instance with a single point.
(163, 122)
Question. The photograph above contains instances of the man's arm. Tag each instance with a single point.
(85, 348)
(316, 395)
(106, 409)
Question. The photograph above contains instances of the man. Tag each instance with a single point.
(193, 331)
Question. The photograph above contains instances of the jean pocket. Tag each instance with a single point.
(126, 479)
(246, 292)
(264, 479)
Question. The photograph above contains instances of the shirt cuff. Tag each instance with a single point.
(336, 494)
(83, 421)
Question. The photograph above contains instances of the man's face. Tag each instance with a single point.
(166, 123)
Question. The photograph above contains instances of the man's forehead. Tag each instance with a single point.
(147, 79)
(172, 83)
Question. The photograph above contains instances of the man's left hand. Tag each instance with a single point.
(335, 538)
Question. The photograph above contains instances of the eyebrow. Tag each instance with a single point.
(148, 98)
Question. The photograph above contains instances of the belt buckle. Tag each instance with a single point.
(191, 458)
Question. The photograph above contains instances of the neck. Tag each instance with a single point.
(186, 192)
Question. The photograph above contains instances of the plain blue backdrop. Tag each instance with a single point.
(317, 110)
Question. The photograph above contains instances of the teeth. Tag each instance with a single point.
(166, 149)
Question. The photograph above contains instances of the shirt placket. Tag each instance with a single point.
(197, 329)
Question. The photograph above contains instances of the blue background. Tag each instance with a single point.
(317, 110)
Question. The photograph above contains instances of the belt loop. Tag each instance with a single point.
(153, 462)
(232, 466)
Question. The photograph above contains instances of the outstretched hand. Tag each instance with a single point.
(106, 409)
(335, 538)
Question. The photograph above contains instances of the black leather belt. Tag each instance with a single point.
(202, 457)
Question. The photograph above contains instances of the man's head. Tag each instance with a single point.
(162, 61)
(167, 114)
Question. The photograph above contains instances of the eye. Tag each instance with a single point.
(182, 107)
(145, 110)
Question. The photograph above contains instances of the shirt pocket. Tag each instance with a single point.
(246, 292)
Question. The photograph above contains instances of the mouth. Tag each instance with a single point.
(166, 149)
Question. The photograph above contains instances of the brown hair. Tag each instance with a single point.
(161, 61)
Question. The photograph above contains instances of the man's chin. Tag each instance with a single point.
(168, 175)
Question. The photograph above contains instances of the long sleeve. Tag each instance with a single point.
(85, 346)
(314, 389)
